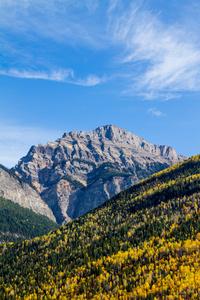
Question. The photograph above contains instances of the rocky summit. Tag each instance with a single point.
(81, 170)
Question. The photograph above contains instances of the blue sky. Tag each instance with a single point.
(77, 64)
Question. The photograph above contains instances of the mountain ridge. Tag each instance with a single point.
(83, 169)
(117, 134)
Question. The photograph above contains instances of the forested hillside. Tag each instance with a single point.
(144, 243)
(18, 223)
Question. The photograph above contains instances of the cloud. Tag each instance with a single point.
(91, 80)
(163, 96)
(153, 111)
(15, 141)
(112, 5)
(60, 75)
(50, 5)
(162, 58)
(40, 28)
(66, 76)
(63, 21)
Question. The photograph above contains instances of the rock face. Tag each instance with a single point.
(22, 193)
(81, 170)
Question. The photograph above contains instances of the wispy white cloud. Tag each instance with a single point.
(155, 112)
(160, 60)
(169, 56)
(42, 24)
(60, 75)
(91, 80)
(52, 5)
(61, 21)
(56, 75)
(15, 141)
(112, 5)
(154, 94)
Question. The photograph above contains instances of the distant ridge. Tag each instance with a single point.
(81, 170)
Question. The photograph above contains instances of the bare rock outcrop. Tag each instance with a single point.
(18, 191)
(82, 169)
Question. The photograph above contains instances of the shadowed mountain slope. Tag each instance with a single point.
(18, 223)
(20, 191)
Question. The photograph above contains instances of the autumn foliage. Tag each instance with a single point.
(144, 243)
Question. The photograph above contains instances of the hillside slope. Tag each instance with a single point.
(143, 243)
(19, 191)
(83, 169)
(18, 223)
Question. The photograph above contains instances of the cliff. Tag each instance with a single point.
(20, 192)
(82, 169)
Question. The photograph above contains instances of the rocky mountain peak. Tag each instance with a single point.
(83, 169)
(109, 132)
(113, 136)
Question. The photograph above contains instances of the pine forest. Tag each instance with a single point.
(143, 243)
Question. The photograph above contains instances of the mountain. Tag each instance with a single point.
(143, 243)
(82, 169)
(19, 191)
(18, 223)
